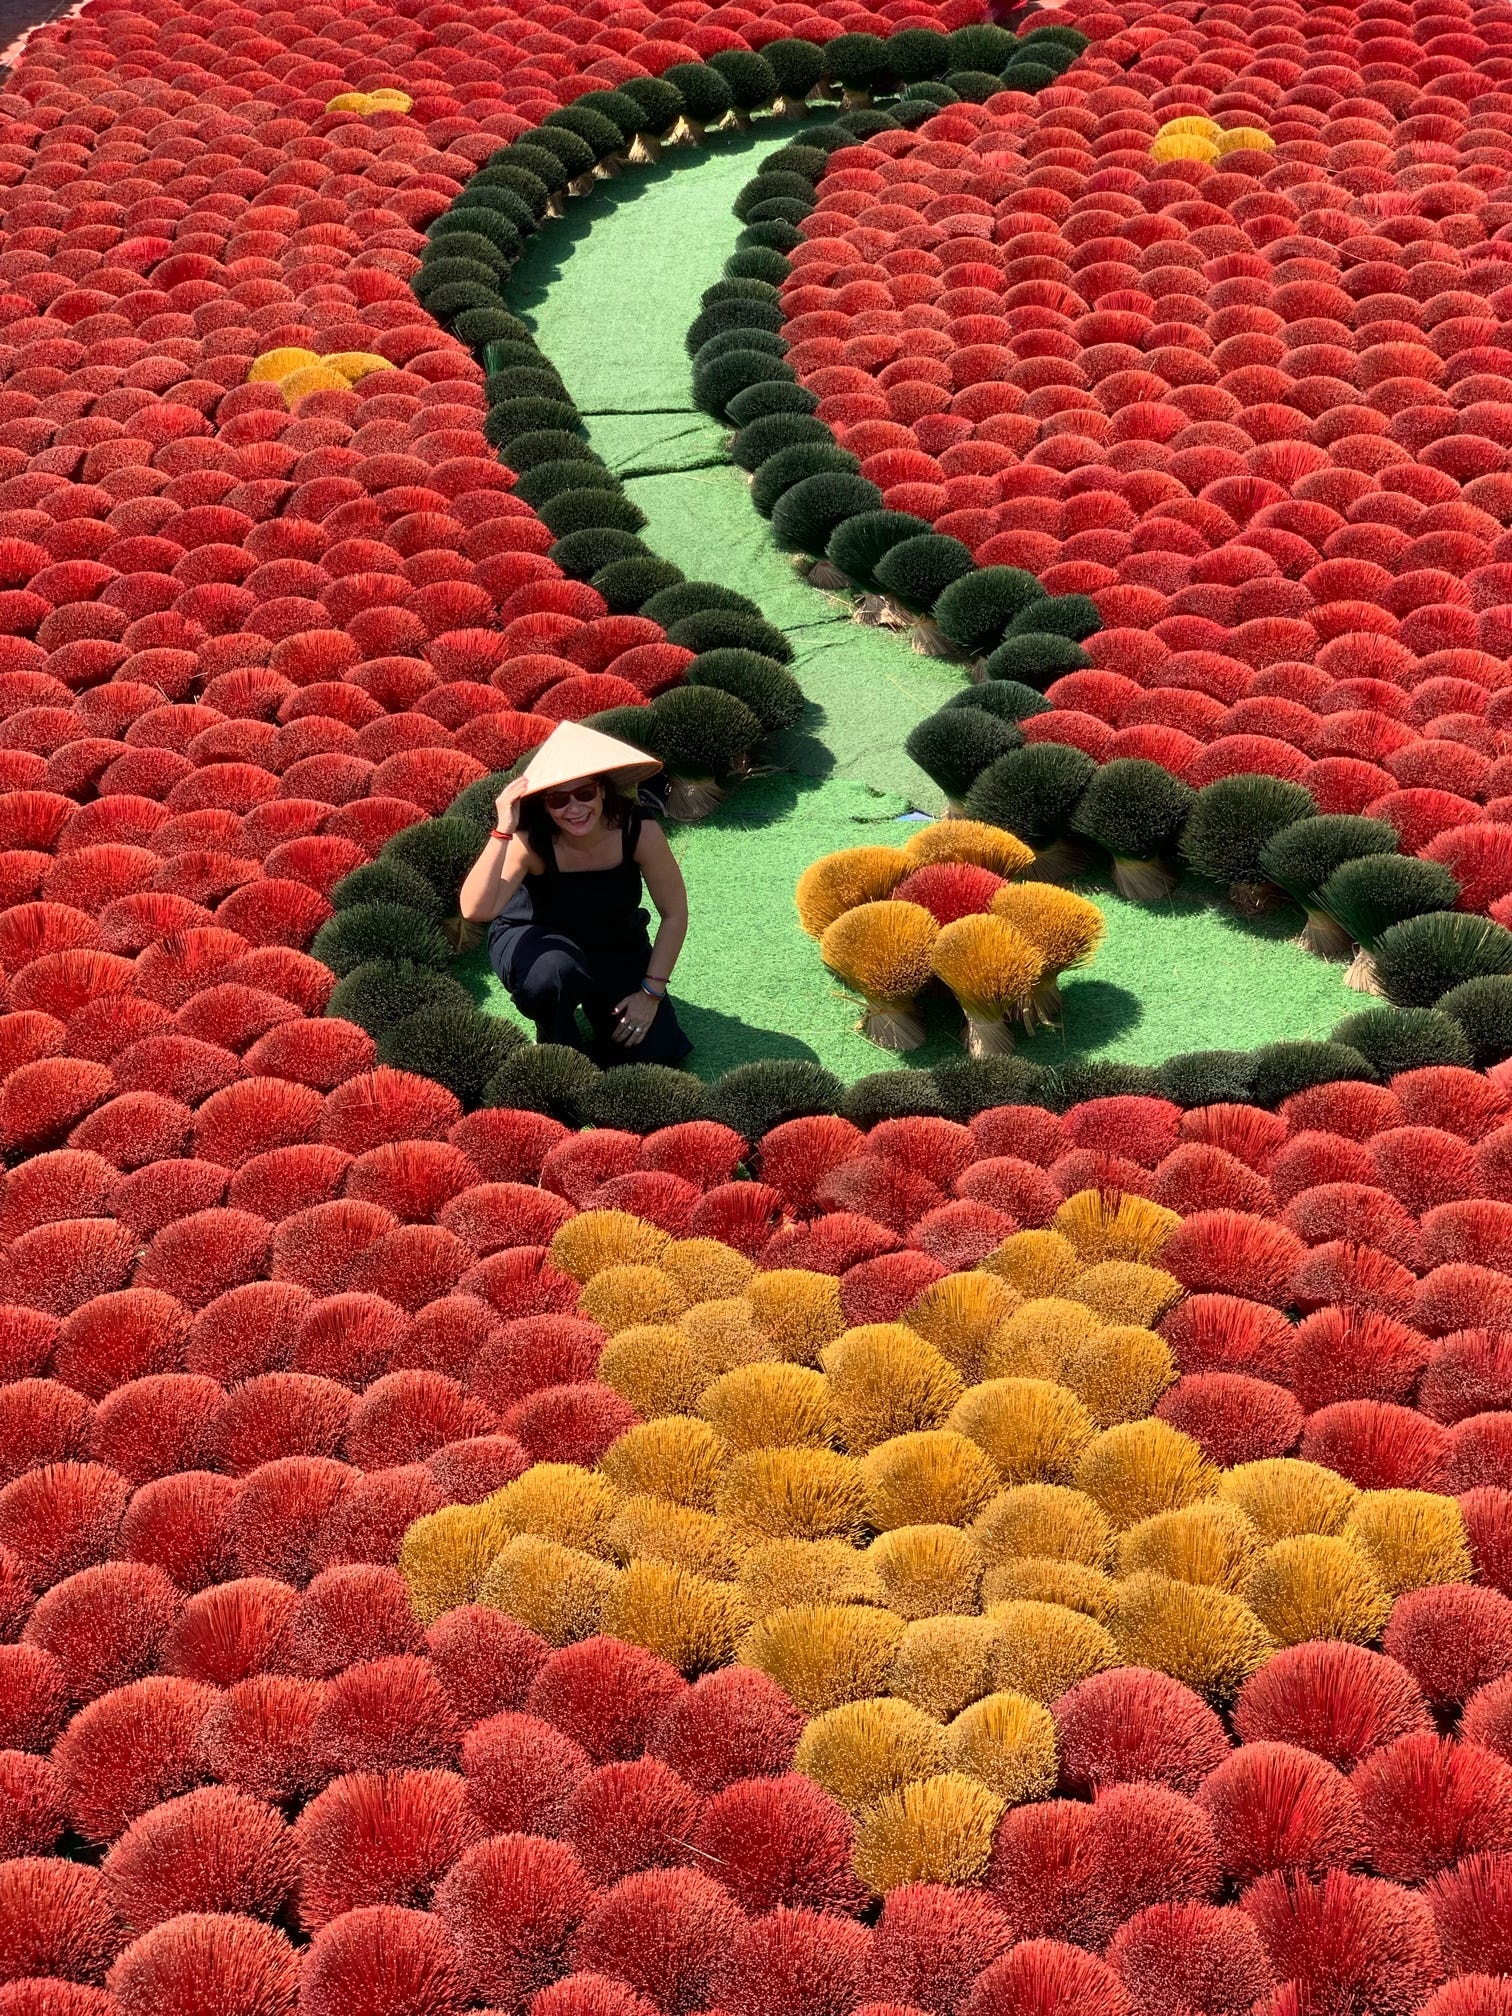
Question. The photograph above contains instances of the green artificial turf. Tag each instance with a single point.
(611, 292)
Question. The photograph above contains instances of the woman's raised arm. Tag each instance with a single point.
(499, 869)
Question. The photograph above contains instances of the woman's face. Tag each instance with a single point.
(575, 808)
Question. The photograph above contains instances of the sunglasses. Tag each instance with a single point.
(580, 794)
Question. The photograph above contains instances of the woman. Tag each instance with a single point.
(559, 885)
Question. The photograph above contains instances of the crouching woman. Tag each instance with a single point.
(559, 886)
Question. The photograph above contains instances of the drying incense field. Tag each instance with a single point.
(989, 1493)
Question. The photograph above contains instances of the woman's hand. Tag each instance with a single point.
(633, 1017)
(507, 810)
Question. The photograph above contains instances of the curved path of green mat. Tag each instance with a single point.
(611, 292)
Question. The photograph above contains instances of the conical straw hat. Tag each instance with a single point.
(574, 751)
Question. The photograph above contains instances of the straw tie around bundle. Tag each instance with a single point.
(883, 950)
(992, 969)
(1136, 809)
(1065, 929)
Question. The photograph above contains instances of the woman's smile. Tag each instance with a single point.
(578, 819)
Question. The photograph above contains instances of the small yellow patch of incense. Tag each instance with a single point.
(1119, 1372)
(1316, 1586)
(685, 1618)
(1252, 139)
(298, 372)
(1038, 1338)
(779, 1574)
(1140, 1468)
(274, 365)
(725, 1335)
(799, 1310)
(661, 1531)
(1066, 927)
(1213, 1543)
(928, 1571)
(822, 1655)
(1008, 1742)
(938, 1830)
(969, 840)
(865, 1750)
(1041, 1649)
(559, 1501)
(959, 1316)
(793, 1494)
(883, 951)
(707, 1270)
(356, 364)
(886, 1380)
(829, 887)
(1114, 1225)
(678, 1457)
(1203, 1637)
(1286, 1497)
(769, 1406)
(935, 1477)
(943, 1664)
(1038, 1578)
(556, 1591)
(593, 1240)
(1037, 1264)
(1413, 1539)
(1035, 1431)
(1182, 147)
(655, 1368)
(625, 1297)
(366, 103)
(988, 965)
(1127, 1291)
(1044, 1519)
(319, 377)
(445, 1555)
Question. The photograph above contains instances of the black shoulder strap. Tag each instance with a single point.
(632, 837)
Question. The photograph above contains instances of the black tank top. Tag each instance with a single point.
(598, 908)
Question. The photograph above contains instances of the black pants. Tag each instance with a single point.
(549, 977)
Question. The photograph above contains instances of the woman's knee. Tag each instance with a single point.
(551, 977)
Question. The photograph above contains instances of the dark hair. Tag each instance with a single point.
(538, 826)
